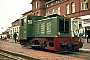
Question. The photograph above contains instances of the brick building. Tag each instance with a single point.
(69, 8)
(38, 7)
(77, 10)
(27, 13)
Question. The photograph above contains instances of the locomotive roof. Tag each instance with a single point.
(53, 15)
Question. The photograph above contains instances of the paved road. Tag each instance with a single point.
(86, 46)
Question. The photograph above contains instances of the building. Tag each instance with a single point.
(69, 8)
(38, 7)
(15, 27)
(27, 13)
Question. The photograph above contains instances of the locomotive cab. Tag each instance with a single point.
(26, 28)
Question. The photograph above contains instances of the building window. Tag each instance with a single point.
(36, 5)
(47, 13)
(73, 7)
(58, 12)
(34, 14)
(84, 5)
(53, 11)
(38, 14)
(17, 29)
(67, 8)
(58, 1)
(86, 0)
(47, 5)
(52, 3)
(13, 29)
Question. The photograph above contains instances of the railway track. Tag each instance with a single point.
(39, 54)
(6, 55)
(81, 54)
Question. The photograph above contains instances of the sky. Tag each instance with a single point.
(11, 10)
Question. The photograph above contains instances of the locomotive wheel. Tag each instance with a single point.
(80, 44)
(69, 46)
(26, 43)
(22, 43)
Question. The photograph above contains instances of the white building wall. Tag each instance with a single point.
(15, 29)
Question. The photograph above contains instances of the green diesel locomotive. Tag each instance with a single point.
(52, 33)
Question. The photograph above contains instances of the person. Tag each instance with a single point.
(88, 33)
(1, 37)
(85, 32)
(75, 33)
(8, 37)
(15, 36)
(5, 37)
(81, 33)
